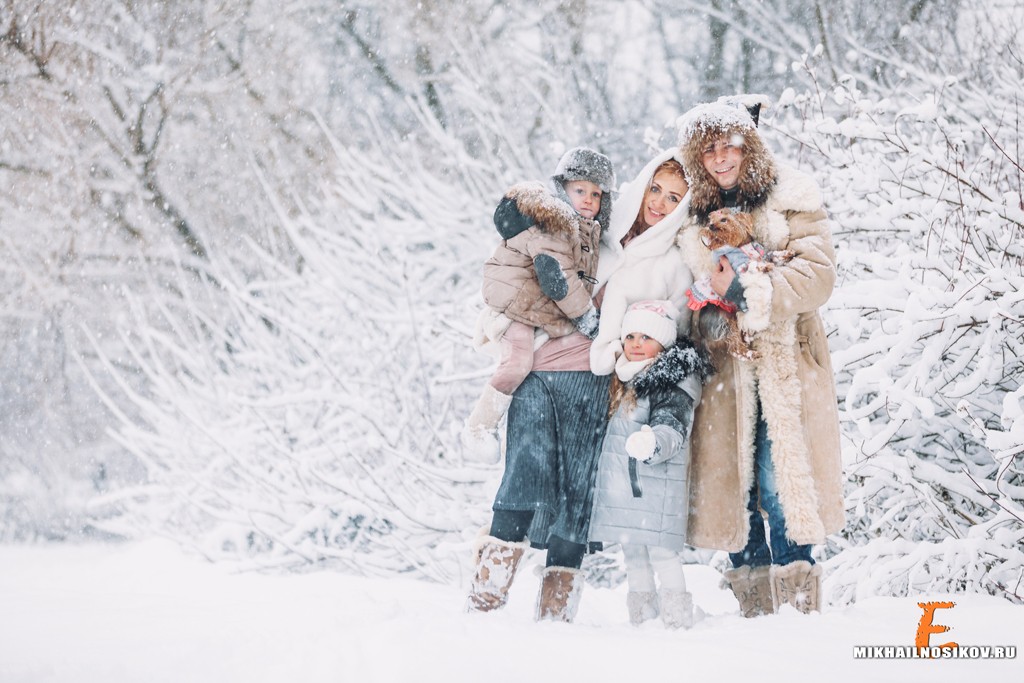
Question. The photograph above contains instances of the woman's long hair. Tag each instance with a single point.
(670, 166)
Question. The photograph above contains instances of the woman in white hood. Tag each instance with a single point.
(639, 256)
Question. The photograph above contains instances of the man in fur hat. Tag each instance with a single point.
(766, 432)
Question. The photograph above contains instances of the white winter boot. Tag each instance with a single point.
(676, 609)
(642, 606)
(480, 434)
(797, 584)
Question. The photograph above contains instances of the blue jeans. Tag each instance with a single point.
(757, 552)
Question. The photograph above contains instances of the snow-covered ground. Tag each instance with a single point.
(149, 613)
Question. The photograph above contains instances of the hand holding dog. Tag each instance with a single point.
(722, 276)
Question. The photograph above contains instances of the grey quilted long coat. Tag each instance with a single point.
(648, 502)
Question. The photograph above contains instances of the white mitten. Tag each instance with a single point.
(641, 444)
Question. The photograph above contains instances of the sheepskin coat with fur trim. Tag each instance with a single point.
(792, 376)
(543, 226)
(648, 267)
(649, 504)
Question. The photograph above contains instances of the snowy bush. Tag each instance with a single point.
(926, 330)
(301, 415)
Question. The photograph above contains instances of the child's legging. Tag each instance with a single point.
(644, 561)
(516, 358)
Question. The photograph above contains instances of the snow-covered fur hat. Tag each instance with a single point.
(701, 127)
(753, 103)
(583, 163)
(654, 317)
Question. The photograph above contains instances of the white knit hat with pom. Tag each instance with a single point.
(654, 317)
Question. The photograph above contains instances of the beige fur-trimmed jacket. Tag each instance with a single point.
(545, 227)
(792, 376)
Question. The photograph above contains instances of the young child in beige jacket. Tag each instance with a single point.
(540, 279)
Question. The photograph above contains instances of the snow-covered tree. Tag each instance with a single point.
(254, 231)
(130, 135)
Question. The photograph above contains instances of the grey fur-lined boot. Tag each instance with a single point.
(752, 588)
(642, 606)
(560, 591)
(495, 567)
(676, 609)
(797, 584)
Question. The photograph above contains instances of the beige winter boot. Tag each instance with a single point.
(480, 433)
(752, 588)
(559, 596)
(642, 606)
(496, 564)
(676, 609)
(797, 584)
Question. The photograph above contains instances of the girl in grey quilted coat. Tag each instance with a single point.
(641, 498)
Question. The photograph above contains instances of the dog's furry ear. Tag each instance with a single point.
(720, 333)
(731, 234)
(712, 324)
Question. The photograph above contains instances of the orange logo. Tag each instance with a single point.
(926, 628)
(923, 649)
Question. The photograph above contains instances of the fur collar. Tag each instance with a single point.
(531, 203)
(671, 367)
(793, 191)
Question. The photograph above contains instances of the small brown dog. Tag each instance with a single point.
(727, 228)
(717, 323)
